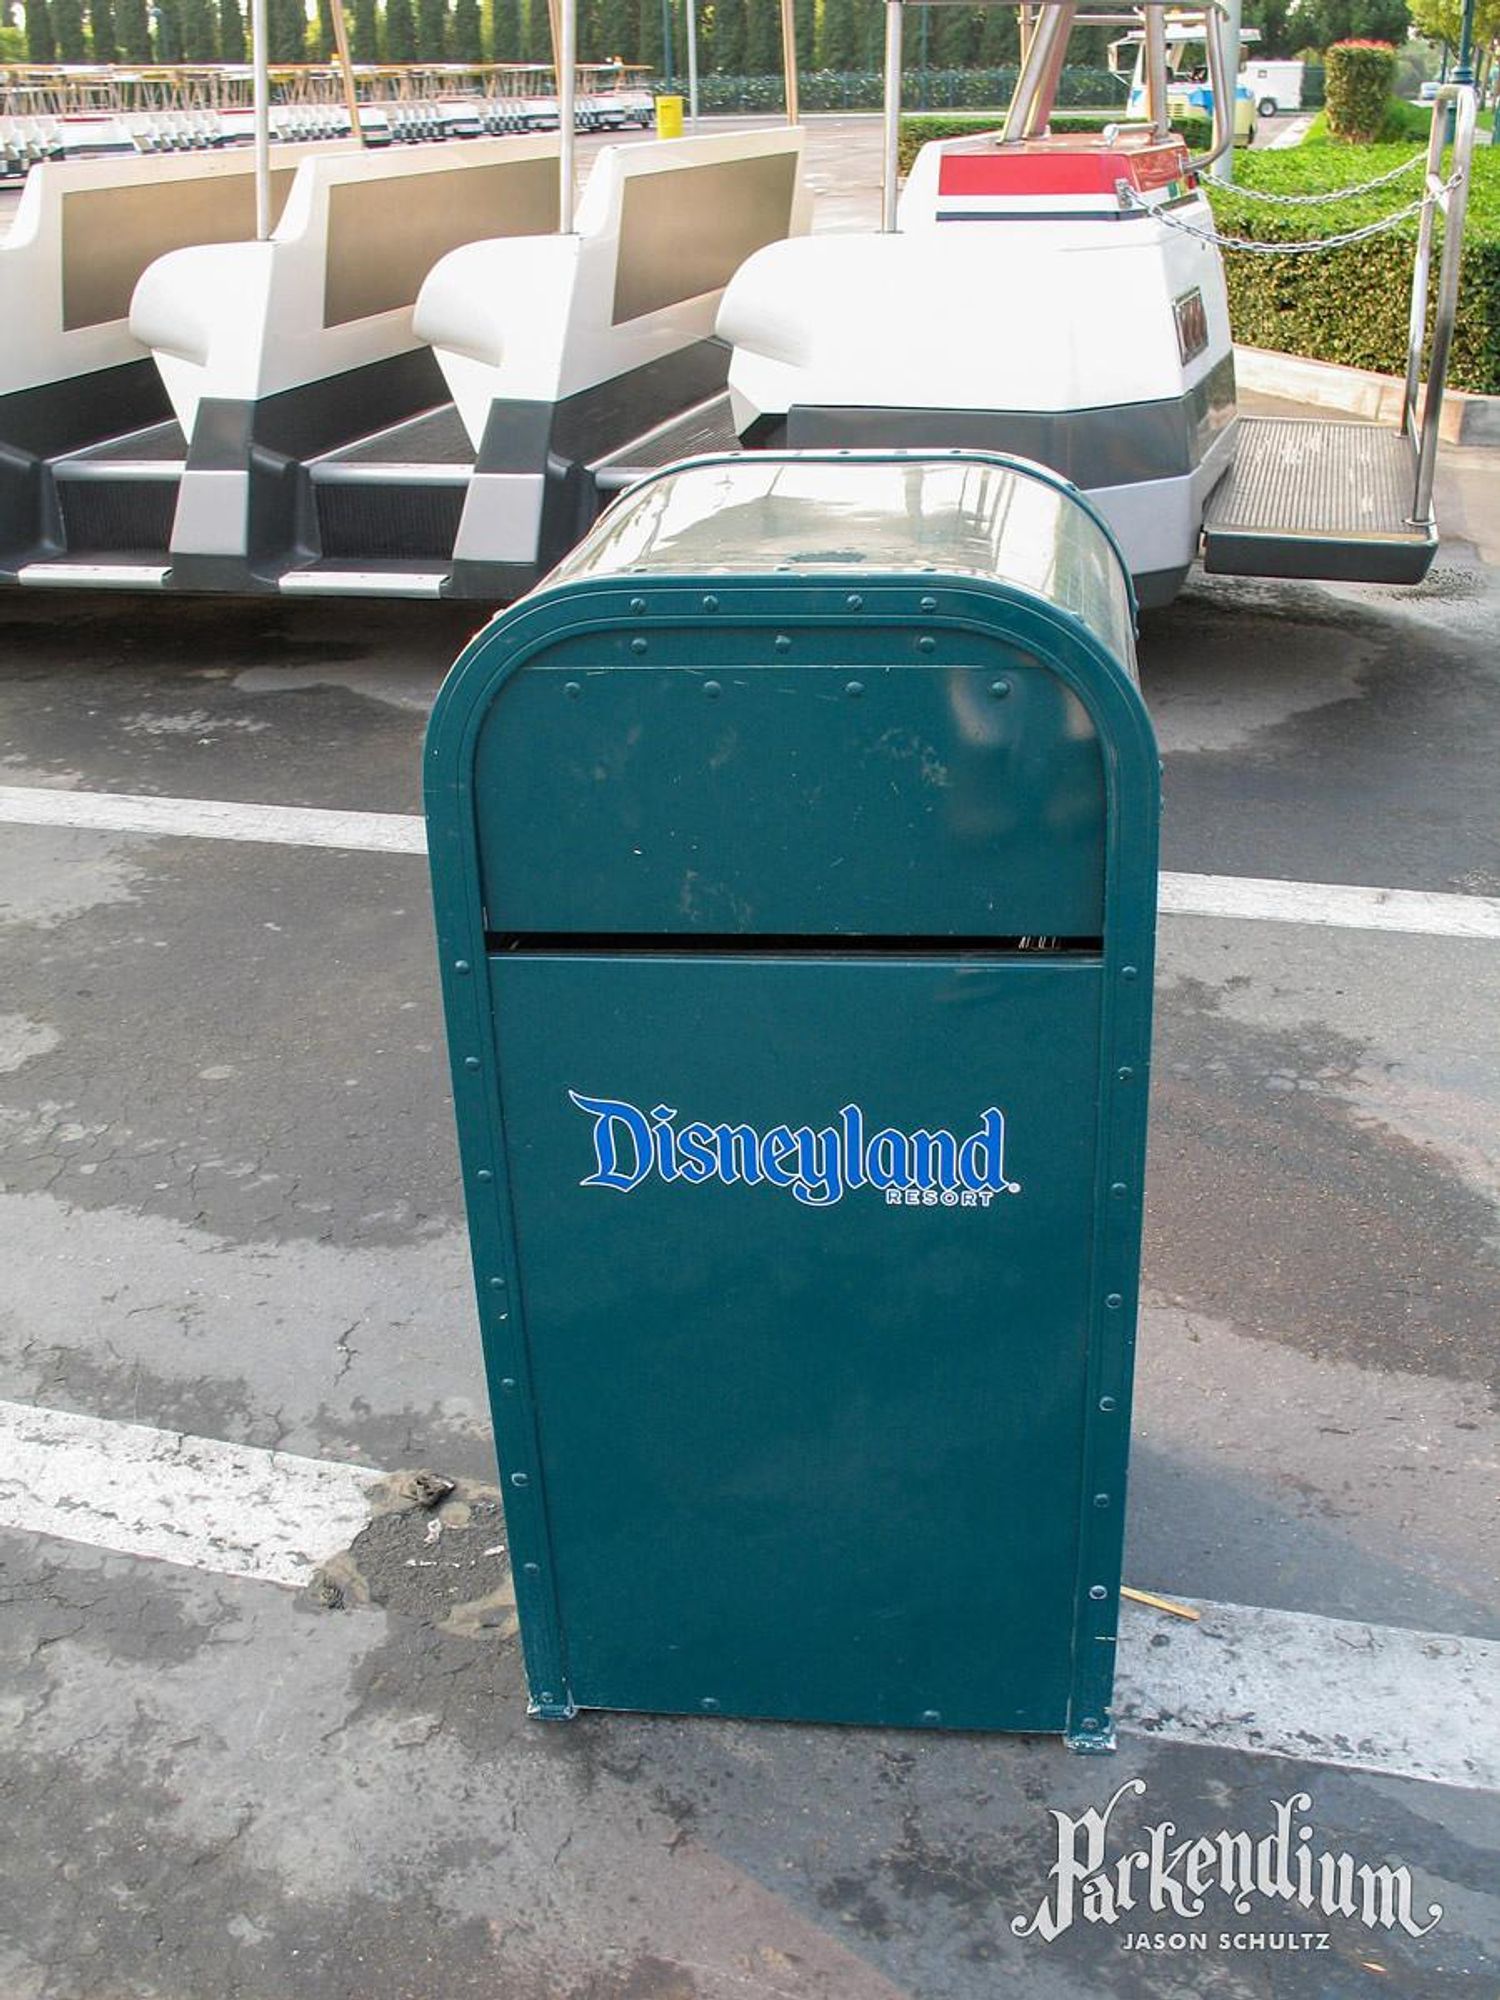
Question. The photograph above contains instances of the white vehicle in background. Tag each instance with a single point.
(1189, 88)
(1274, 87)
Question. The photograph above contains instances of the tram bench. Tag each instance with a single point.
(557, 353)
(274, 352)
(71, 371)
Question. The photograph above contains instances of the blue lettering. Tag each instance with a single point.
(776, 1149)
(607, 1113)
(888, 1162)
(981, 1159)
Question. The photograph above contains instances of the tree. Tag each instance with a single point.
(364, 39)
(41, 43)
(648, 33)
(1318, 23)
(400, 32)
(1440, 21)
(999, 38)
(67, 27)
(836, 35)
(762, 38)
(726, 40)
(536, 32)
(133, 30)
(106, 48)
(231, 32)
(467, 41)
(200, 40)
(286, 30)
(168, 31)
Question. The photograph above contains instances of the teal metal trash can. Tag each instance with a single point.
(794, 854)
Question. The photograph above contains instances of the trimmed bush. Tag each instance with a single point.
(1350, 305)
(1358, 88)
(920, 129)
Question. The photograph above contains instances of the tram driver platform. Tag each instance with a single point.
(1309, 498)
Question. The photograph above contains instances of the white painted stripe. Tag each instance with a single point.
(1272, 1683)
(1323, 1690)
(214, 819)
(1340, 905)
(1337, 905)
(229, 1508)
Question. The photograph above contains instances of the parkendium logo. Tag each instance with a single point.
(815, 1165)
(1098, 1879)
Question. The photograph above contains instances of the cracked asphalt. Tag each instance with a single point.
(230, 1206)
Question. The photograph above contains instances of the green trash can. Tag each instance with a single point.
(794, 854)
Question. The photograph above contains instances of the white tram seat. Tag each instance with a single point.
(559, 352)
(332, 291)
(83, 233)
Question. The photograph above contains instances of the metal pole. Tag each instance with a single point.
(1155, 32)
(1233, 18)
(261, 107)
(789, 61)
(1463, 69)
(892, 116)
(566, 51)
(691, 8)
(666, 41)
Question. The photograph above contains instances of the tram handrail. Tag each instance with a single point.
(1451, 195)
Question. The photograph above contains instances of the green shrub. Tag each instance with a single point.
(1350, 305)
(1358, 88)
(920, 129)
(12, 45)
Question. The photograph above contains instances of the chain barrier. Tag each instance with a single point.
(1304, 247)
(1338, 194)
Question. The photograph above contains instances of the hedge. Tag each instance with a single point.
(1350, 305)
(920, 129)
(1359, 82)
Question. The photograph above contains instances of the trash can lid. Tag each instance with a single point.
(878, 512)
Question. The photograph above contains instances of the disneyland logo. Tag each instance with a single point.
(817, 1166)
(1161, 1876)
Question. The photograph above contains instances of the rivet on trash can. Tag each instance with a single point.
(999, 689)
(507, 1385)
(573, 689)
(471, 1062)
(637, 604)
(1129, 972)
(712, 689)
(1107, 1404)
(1125, 1074)
(928, 604)
(926, 643)
(1098, 1592)
(854, 687)
(710, 603)
(497, 1284)
(1101, 1499)
(531, 1569)
(1117, 1188)
(638, 645)
(709, 1705)
(783, 643)
(519, 1479)
(855, 602)
(485, 1174)
(462, 965)
(1091, 1722)
(932, 1715)
(1113, 1301)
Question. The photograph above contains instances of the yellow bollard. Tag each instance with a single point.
(669, 117)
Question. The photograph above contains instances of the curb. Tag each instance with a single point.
(1467, 419)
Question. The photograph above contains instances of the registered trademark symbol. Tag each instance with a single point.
(1012, 1187)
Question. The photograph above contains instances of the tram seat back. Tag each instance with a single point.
(662, 228)
(84, 232)
(333, 289)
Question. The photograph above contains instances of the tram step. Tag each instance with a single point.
(708, 427)
(370, 579)
(95, 573)
(1308, 498)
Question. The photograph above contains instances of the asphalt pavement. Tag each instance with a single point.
(231, 1209)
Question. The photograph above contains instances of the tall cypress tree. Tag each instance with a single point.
(133, 30)
(67, 28)
(105, 47)
(432, 30)
(200, 41)
(321, 43)
(231, 32)
(286, 30)
(536, 32)
(728, 40)
(762, 37)
(836, 35)
(364, 38)
(168, 31)
(616, 30)
(467, 42)
(648, 33)
(41, 43)
(400, 32)
(505, 31)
